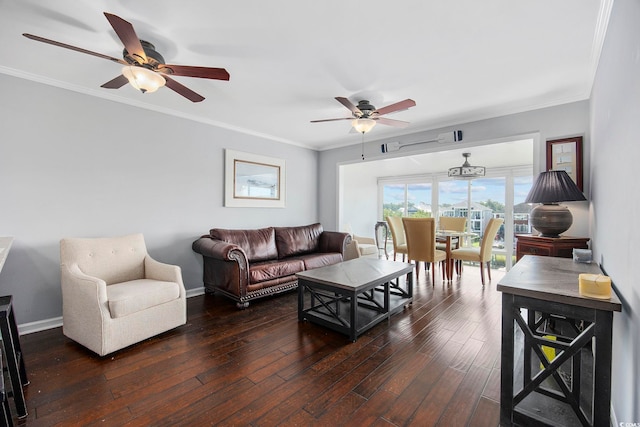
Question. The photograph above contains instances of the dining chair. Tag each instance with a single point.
(398, 236)
(452, 223)
(421, 244)
(481, 254)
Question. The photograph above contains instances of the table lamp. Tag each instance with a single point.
(550, 188)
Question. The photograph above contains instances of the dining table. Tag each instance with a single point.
(452, 240)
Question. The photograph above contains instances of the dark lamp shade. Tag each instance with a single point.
(554, 187)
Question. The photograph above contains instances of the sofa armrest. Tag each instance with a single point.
(217, 249)
(334, 241)
(226, 266)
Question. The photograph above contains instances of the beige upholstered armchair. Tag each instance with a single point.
(361, 247)
(114, 294)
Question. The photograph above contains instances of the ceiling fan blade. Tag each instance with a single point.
(398, 106)
(331, 120)
(128, 37)
(392, 122)
(183, 90)
(189, 71)
(116, 83)
(77, 49)
(344, 101)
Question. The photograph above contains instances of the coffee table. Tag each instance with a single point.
(353, 296)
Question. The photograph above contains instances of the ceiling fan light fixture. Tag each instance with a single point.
(467, 171)
(143, 79)
(363, 125)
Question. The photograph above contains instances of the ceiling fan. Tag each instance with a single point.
(143, 67)
(366, 115)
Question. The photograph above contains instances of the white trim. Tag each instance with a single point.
(40, 325)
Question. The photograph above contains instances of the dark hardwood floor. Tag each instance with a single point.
(436, 363)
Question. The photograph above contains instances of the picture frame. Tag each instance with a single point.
(566, 154)
(253, 180)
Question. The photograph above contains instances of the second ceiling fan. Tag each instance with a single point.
(365, 115)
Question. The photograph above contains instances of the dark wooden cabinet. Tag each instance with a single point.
(562, 246)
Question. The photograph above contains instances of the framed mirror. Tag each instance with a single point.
(566, 154)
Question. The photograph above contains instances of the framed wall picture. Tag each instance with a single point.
(252, 180)
(566, 154)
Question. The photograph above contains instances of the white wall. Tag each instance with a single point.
(615, 152)
(72, 165)
(360, 199)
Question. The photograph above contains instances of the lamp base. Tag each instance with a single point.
(551, 219)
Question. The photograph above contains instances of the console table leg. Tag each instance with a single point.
(602, 368)
(506, 371)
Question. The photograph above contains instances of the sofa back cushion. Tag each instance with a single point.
(292, 241)
(258, 245)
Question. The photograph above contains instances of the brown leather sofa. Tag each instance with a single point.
(248, 264)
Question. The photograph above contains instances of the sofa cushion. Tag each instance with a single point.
(319, 259)
(258, 245)
(292, 241)
(269, 270)
(136, 295)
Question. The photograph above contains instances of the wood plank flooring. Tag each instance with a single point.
(435, 364)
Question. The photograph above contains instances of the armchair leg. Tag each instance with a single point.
(242, 305)
(482, 273)
(489, 269)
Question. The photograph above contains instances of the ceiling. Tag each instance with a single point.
(460, 60)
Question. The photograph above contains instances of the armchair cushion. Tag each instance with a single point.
(137, 295)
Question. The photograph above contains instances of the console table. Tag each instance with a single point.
(11, 343)
(563, 246)
(540, 295)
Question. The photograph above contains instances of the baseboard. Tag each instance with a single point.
(40, 325)
(195, 292)
(56, 322)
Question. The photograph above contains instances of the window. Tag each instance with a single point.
(407, 199)
(499, 195)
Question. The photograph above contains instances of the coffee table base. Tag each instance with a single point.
(353, 312)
